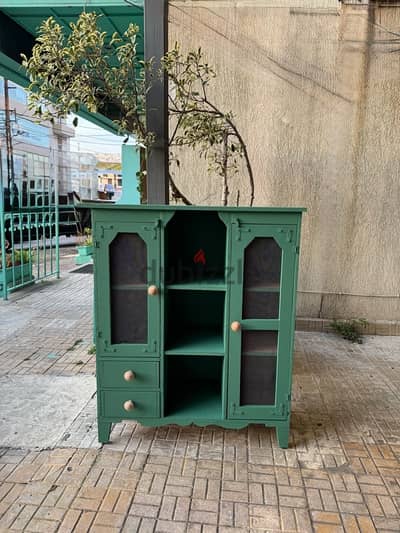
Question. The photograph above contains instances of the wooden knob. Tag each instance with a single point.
(129, 375)
(129, 405)
(235, 326)
(152, 290)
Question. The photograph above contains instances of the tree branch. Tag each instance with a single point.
(225, 190)
(176, 193)
(244, 148)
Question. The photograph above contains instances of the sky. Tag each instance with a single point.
(91, 138)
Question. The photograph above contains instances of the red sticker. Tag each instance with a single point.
(200, 257)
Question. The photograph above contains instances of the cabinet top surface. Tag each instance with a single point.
(153, 207)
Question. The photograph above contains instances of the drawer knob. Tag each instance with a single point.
(235, 326)
(129, 375)
(152, 290)
(129, 405)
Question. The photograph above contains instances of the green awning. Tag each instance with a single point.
(19, 20)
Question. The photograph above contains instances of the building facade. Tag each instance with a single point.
(41, 153)
(38, 151)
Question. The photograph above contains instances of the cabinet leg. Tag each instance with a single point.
(104, 429)
(282, 435)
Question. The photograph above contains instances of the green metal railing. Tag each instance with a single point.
(29, 232)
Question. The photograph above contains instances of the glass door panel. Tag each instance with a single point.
(258, 367)
(128, 317)
(259, 342)
(128, 289)
(131, 255)
(260, 304)
(262, 274)
(257, 380)
(262, 263)
(128, 260)
(262, 307)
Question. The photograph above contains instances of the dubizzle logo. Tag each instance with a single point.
(200, 257)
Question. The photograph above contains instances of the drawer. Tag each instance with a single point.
(138, 374)
(146, 404)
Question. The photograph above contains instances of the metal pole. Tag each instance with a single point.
(55, 173)
(2, 231)
(155, 45)
(9, 146)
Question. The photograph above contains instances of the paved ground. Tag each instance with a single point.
(341, 473)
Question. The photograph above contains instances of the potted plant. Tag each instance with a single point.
(18, 268)
(85, 248)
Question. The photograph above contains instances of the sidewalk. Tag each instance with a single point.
(341, 473)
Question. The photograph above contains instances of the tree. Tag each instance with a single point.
(86, 68)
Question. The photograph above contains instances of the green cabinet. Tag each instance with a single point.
(195, 311)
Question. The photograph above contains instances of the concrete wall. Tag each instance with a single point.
(315, 89)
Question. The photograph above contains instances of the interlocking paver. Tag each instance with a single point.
(24, 517)
(328, 528)
(42, 526)
(350, 524)
(340, 475)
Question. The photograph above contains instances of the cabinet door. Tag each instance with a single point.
(127, 262)
(260, 320)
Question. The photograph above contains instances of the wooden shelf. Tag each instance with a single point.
(197, 342)
(200, 285)
(200, 399)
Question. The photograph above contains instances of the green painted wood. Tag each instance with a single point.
(249, 212)
(104, 429)
(282, 434)
(194, 373)
(146, 374)
(146, 404)
(202, 421)
(198, 342)
(215, 285)
(201, 402)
